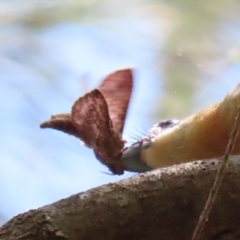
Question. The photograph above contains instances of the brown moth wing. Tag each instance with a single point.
(116, 89)
(90, 117)
(61, 122)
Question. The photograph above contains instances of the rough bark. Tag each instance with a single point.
(162, 204)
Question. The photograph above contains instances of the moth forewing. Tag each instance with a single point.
(90, 116)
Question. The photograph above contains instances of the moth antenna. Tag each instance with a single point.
(142, 133)
(138, 136)
(111, 174)
(132, 135)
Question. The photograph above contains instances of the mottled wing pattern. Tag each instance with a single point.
(116, 89)
(91, 118)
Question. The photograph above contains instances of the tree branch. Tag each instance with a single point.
(161, 204)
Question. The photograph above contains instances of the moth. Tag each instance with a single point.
(98, 117)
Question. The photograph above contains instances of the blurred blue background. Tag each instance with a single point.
(185, 56)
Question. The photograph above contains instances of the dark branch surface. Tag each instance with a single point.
(162, 204)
